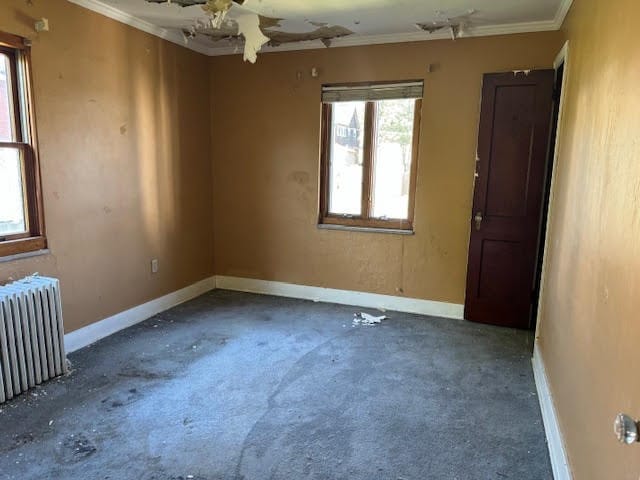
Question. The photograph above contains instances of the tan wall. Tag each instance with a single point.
(590, 328)
(123, 121)
(266, 160)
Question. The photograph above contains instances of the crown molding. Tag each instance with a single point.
(562, 12)
(350, 41)
(135, 22)
(418, 36)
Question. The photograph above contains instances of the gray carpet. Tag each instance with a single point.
(240, 386)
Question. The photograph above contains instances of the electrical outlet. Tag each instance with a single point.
(154, 265)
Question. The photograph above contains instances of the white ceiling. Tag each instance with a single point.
(372, 21)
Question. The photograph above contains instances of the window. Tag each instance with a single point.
(21, 222)
(369, 149)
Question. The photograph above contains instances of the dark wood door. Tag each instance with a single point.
(513, 140)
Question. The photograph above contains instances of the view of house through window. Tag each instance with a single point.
(347, 155)
(369, 155)
(21, 228)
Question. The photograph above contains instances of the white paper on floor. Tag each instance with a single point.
(362, 318)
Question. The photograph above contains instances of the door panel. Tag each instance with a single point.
(504, 283)
(514, 108)
(512, 150)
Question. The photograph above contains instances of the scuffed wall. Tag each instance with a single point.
(266, 130)
(589, 333)
(123, 124)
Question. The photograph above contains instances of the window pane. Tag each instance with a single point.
(7, 118)
(12, 217)
(346, 158)
(392, 158)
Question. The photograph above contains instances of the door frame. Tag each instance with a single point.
(561, 58)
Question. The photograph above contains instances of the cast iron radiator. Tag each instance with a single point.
(31, 335)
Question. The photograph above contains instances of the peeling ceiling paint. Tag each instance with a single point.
(185, 3)
(276, 38)
(249, 27)
(325, 34)
(231, 21)
(212, 25)
(457, 26)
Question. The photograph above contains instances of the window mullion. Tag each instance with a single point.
(325, 161)
(367, 167)
(415, 146)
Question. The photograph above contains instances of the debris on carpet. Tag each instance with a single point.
(362, 318)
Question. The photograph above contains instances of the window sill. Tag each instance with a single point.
(21, 256)
(393, 231)
(17, 248)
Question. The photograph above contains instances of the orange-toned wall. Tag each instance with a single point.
(266, 129)
(589, 334)
(124, 131)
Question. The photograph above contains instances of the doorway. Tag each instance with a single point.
(516, 148)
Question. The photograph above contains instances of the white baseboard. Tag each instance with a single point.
(342, 297)
(96, 331)
(92, 333)
(557, 453)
